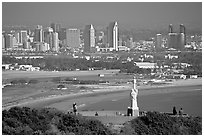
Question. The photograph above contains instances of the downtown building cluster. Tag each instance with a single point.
(50, 38)
(175, 41)
(89, 40)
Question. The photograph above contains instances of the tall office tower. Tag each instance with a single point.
(24, 39)
(173, 40)
(39, 34)
(3, 42)
(17, 36)
(23, 36)
(181, 41)
(183, 30)
(89, 38)
(170, 28)
(56, 27)
(99, 36)
(120, 42)
(62, 34)
(73, 38)
(113, 35)
(55, 42)
(158, 41)
(9, 41)
(48, 36)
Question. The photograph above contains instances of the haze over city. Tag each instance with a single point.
(137, 15)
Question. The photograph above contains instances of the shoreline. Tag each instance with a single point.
(109, 90)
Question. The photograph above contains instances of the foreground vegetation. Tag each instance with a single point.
(49, 121)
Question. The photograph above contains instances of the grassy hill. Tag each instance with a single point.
(49, 121)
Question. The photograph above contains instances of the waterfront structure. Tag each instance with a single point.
(112, 36)
(89, 38)
(39, 34)
(73, 38)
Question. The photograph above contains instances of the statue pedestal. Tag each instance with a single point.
(133, 112)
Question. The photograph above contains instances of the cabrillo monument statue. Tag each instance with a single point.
(133, 110)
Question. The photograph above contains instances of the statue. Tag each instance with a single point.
(133, 100)
(133, 95)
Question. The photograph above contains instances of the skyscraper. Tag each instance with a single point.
(158, 41)
(9, 41)
(62, 34)
(73, 37)
(112, 35)
(48, 36)
(56, 27)
(39, 34)
(89, 38)
(23, 36)
(3, 42)
(173, 40)
(170, 28)
(181, 41)
(183, 30)
(55, 41)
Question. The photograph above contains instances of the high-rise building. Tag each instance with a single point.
(48, 36)
(3, 42)
(181, 41)
(39, 34)
(170, 28)
(158, 41)
(56, 27)
(89, 38)
(113, 35)
(62, 34)
(73, 38)
(23, 36)
(17, 36)
(183, 31)
(9, 41)
(173, 40)
(55, 41)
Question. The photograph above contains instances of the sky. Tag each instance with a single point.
(128, 14)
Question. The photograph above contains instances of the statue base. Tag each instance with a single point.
(133, 112)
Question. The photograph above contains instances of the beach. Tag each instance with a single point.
(103, 98)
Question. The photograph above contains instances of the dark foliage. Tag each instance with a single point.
(27, 121)
(155, 123)
(17, 82)
(33, 81)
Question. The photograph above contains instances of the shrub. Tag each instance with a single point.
(33, 81)
(155, 123)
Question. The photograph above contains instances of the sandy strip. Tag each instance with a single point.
(104, 90)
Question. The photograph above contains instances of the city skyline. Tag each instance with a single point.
(139, 15)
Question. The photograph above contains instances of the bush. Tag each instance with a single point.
(48, 121)
(60, 86)
(20, 81)
(155, 123)
(56, 79)
(33, 81)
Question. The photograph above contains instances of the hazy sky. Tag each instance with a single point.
(132, 15)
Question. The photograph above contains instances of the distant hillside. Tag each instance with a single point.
(49, 121)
